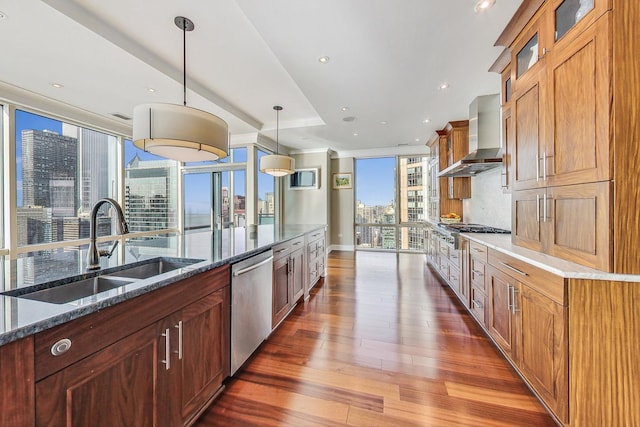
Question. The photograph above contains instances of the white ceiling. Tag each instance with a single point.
(387, 59)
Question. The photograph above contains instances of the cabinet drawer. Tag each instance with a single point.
(297, 243)
(477, 273)
(478, 304)
(454, 278)
(543, 281)
(281, 250)
(454, 257)
(478, 251)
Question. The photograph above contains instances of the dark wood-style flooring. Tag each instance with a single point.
(380, 342)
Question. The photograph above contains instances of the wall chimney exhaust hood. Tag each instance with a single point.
(484, 139)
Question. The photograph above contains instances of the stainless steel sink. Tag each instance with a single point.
(150, 269)
(73, 291)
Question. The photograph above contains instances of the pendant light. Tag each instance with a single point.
(275, 164)
(176, 131)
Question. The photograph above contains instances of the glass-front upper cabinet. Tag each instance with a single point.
(568, 14)
(527, 56)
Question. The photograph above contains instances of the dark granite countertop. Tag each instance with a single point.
(21, 317)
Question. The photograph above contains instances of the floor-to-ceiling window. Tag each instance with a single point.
(375, 195)
(61, 171)
(389, 211)
(266, 195)
(214, 195)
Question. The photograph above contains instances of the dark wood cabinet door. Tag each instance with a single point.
(17, 377)
(297, 274)
(501, 324)
(579, 108)
(579, 222)
(115, 386)
(281, 290)
(528, 117)
(203, 332)
(543, 349)
(527, 219)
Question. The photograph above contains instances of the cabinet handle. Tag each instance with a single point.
(514, 306)
(477, 304)
(296, 243)
(544, 208)
(537, 208)
(281, 250)
(520, 272)
(544, 165)
(317, 234)
(179, 328)
(477, 250)
(167, 349)
(545, 51)
(479, 273)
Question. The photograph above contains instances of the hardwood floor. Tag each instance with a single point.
(380, 342)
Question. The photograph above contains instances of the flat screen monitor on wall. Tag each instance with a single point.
(303, 179)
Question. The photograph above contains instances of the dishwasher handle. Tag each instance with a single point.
(252, 267)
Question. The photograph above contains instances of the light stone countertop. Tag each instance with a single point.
(560, 267)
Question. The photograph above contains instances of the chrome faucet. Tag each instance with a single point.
(93, 255)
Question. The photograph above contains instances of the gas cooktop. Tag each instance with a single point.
(473, 228)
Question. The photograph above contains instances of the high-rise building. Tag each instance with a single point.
(49, 170)
(96, 150)
(150, 194)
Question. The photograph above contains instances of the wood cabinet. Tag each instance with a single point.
(575, 88)
(570, 222)
(288, 277)
(18, 378)
(477, 279)
(528, 320)
(316, 259)
(123, 384)
(154, 360)
(202, 350)
(503, 314)
(454, 145)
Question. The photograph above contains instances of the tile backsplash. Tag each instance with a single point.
(488, 204)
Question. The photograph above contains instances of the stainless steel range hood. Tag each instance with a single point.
(484, 139)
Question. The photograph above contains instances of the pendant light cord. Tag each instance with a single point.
(277, 130)
(184, 62)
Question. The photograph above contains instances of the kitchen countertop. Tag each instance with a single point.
(20, 317)
(560, 267)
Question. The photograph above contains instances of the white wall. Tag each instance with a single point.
(309, 206)
(342, 209)
(488, 204)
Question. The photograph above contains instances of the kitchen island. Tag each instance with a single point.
(147, 340)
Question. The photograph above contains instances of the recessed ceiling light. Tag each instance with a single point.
(355, 134)
(349, 119)
(417, 139)
(444, 85)
(323, 59)
(345, 108)
(484, 5)
(426, 121)
(150, 89)
(383, 122)
(2, 15)
(57, 85)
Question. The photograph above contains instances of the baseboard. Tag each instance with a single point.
(350, 248)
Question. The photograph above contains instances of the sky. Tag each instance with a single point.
(375, 181)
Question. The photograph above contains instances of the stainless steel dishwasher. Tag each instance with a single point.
(251, 296)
